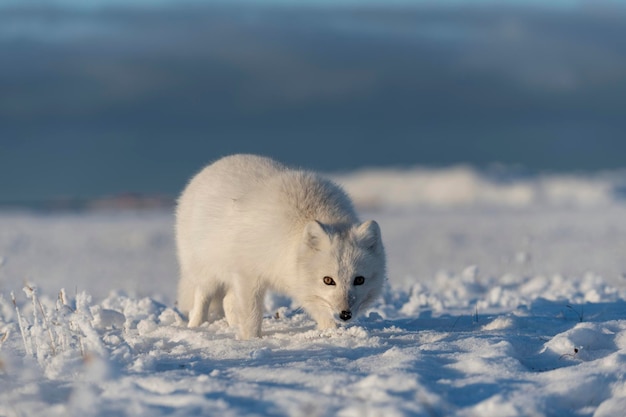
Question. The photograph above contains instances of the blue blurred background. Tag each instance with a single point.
(105, 97)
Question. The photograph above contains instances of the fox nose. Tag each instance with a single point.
(345, 315)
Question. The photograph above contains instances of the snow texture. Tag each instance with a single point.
(492, 309)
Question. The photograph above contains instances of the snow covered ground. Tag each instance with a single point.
(506, 296)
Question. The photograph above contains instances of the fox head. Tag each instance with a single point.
(342, 270)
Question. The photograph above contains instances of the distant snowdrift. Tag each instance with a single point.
(419, 187)
(464, 186)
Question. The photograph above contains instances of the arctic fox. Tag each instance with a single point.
(246, 224)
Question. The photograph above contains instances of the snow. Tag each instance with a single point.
(504, 298)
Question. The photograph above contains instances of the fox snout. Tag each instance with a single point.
(345, 315)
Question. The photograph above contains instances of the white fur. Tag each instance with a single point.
(246, 224)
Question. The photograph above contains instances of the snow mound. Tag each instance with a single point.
(464, 186)
(461, 346)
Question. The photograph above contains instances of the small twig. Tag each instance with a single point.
(19, 322)
(44, 318)
(63, 301)
(455, 322)
(82, 347)
(570, 355)
(4, 338)
(580, 314)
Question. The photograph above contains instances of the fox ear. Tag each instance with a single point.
(314, 234)
(368, 234)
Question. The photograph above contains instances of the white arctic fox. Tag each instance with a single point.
(246, 224)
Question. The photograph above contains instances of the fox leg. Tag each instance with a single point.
(243, 305)
(200, 309)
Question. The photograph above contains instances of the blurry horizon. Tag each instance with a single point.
(101, 100)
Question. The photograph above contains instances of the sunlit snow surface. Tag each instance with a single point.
(504, 298)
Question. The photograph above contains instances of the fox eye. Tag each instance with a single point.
(359, 280)
(329, 281)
